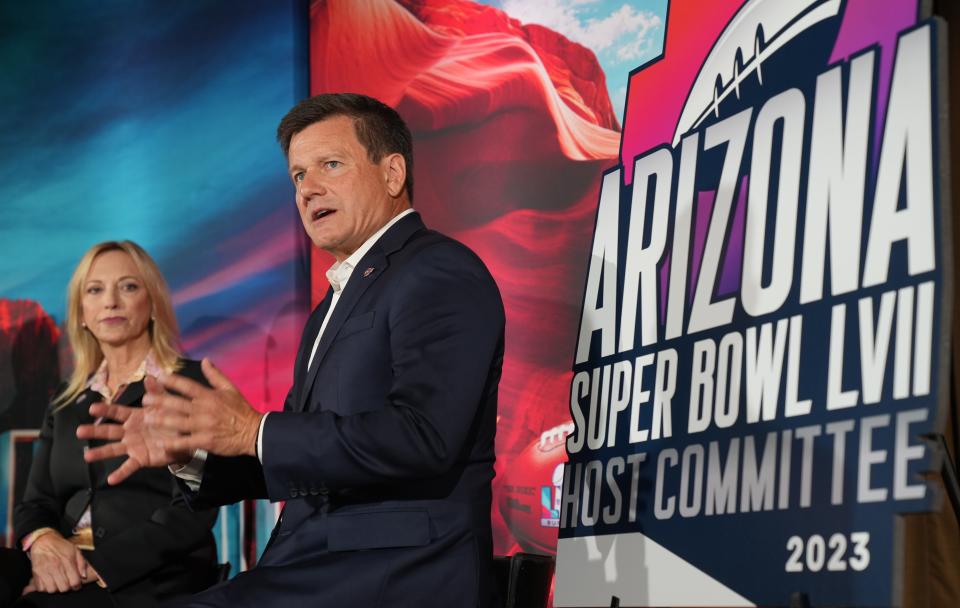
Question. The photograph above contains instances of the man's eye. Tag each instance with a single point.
(298, 176)
(333, 164)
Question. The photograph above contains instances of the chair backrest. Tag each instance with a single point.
(523, 579)
(222, 572)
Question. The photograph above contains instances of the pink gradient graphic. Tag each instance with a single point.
(257, 347)
(657, 93)
(255, 350)
(887, 18)
(270, 253)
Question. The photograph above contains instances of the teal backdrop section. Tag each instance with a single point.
(152, 122)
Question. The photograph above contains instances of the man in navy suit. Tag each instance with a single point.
(384, 449)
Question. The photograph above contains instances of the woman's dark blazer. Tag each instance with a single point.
(148, 543)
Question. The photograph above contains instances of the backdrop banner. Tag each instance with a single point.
(763, 344)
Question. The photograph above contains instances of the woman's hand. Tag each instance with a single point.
(93, 576)
(57, 564)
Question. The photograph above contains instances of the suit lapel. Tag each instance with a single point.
(310, 331)
(97, 471)
(371, 266)
(133, 393)
(360, 280)
(81, 409)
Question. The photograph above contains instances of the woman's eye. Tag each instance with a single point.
(94, 290)
(129, 287)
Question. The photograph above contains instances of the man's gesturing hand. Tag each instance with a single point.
(217, 419)
(143, 445)
(169, 428)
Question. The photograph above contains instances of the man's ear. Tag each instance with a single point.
(395, 173)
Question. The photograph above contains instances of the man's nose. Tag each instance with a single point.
(311, 185)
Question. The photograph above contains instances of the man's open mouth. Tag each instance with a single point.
(321, 213)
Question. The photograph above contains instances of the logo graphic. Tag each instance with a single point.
(758, 356)
(756, 33)
(550, 500)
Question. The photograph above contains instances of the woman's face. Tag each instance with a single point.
(116, 306)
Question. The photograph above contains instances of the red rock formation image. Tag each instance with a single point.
(29, 369)
(513, 128)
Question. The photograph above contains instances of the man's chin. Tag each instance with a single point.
(320, 240)
(325, 244)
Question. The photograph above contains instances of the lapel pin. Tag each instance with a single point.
(368, 272)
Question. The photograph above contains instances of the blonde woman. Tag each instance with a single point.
(81, 541)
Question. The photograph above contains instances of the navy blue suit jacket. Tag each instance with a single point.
(384, 451)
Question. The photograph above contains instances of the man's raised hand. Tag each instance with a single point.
(178, 417)
(217, 419)
(144, 445)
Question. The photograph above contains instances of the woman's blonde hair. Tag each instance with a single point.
(164, 336)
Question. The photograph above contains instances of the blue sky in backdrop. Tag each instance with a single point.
(622, 34)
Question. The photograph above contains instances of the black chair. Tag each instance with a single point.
(523, 579)
(221, 572)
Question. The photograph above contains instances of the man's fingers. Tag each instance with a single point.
(169, 423)
(125, 470)
(120, 413)
(103, 452)
(186, 444)
(167, 402)
(183, 385)
(110, 432)
(30, 588)
(153, 386)
(214, 376)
